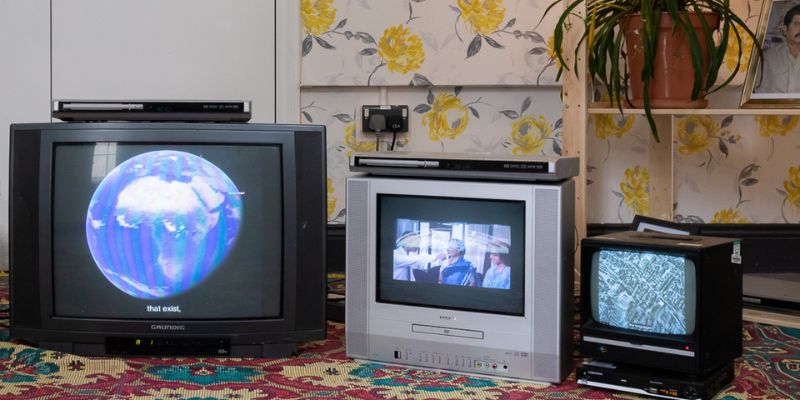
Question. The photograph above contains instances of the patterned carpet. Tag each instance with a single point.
(770, 369)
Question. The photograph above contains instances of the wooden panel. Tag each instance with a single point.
(575, 97)
(661, 176)
(771, 318)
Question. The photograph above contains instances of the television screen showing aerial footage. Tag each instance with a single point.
(648, 292)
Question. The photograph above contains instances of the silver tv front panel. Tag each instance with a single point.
(535, 346)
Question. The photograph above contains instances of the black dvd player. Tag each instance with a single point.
(465, 165)
(653, 382)
(152, 110)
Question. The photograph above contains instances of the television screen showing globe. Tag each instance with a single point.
(168, 230)
(161, 222)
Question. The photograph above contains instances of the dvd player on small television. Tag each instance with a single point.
(465, 166)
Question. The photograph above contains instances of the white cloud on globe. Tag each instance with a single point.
(161, 222)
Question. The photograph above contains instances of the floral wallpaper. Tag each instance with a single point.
(727, 169)
(448, 118)
(426, 42)
(478, 76)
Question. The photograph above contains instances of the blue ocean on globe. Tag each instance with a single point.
(161, 222)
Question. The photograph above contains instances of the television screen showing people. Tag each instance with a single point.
(648, 292)
(453, 253)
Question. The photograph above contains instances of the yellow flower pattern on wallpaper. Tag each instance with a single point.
(729, 216)
(635, 190)
(745, 42)
(353, 144)
(401, 50)
(530, 133)
(317, 15)
(608, 126)
(776, 125)
(551, 51)
(447, 116)
(695, 133)
(411, 37)
(331, 198)
(482, 16)
(772, 126)
(791, 195)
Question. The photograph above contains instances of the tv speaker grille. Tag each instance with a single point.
(357, 268)
(546, 267)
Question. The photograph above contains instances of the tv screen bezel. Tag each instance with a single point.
(386, 288)
(592, 305)
(283, 136)
(589, 324)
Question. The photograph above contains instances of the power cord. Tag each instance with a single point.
(377, 123)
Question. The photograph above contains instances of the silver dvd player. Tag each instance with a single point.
(465, 166)
(152, 110)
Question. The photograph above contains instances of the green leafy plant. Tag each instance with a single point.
(606, 58)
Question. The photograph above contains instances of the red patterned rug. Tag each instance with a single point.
(769, 369)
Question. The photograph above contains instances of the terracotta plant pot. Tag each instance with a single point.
(671, 86)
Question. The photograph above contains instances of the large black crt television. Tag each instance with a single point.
(167, 238)
(659, 300)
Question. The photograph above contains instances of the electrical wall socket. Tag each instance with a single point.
(384, 118)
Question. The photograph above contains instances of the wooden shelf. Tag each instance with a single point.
(595, 108)
(771, 318)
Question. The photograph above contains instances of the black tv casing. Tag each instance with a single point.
(302, 315)
(717, 338)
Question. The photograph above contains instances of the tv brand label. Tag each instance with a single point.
(736, 257)
(156, 327)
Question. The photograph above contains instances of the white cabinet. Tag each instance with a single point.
(144, 49)
(166, 49)
(24, 83)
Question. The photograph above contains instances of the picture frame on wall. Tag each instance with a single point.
(773, 80)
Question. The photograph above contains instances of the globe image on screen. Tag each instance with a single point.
(161, 222)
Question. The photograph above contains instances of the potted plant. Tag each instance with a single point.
(654, 47)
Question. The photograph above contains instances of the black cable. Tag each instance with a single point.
(394, 140)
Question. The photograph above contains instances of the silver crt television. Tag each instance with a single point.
(469, 276)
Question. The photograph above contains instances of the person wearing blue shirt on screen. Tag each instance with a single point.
(498, 276)
(459, 271)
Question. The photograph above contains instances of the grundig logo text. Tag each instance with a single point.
(155, 327)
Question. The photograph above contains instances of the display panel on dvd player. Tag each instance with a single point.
(465, 166)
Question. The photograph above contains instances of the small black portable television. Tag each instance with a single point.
(167, 238)
(661, 300)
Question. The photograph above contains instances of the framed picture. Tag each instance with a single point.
(774, 79)
(641, 223)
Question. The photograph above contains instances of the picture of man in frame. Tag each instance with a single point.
(780, 72)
